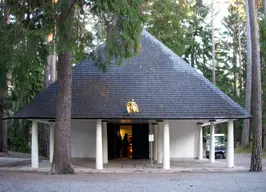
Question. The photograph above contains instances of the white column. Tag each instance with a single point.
(230, 144)
(99, 145)
(150, 132)
(212, 148)
(160, 143)
(200, 155)
(155, 129)
(51, 142)
(166, 145)
(34, 145)
(105, 143)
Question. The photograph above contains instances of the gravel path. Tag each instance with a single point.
(207, 182)
(243, 160)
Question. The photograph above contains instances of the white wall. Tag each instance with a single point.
(183, 139)
(83, 138)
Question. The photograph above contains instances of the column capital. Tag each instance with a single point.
(212, 120)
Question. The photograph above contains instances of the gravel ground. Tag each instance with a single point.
(207, 182)
(243, 160)
(11, 181)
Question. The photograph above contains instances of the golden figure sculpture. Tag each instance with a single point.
(132, 107)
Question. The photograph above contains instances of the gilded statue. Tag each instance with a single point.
(132, 107)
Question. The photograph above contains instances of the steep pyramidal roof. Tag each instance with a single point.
(162, 84)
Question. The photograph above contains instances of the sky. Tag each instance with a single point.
(220, 7)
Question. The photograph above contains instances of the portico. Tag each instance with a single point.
(161, 150)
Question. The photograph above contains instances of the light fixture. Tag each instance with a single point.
(125, 121)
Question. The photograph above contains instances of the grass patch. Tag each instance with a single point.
(247, 150)
(240, 150)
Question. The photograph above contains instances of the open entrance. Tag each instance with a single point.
(128, 141)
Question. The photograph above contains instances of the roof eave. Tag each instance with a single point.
(135, 117)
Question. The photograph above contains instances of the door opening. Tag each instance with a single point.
(125, 139)
(128, 141)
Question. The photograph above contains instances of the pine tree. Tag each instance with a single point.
(256, 156)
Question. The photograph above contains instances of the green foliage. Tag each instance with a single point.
(262, 26)
(228, 58)
(167, 23)
(18, 135)
(122, 22)
(23, 56)
(184, 26)
(25, 48)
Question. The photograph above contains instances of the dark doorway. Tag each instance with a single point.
(140, 143)
(113, 145)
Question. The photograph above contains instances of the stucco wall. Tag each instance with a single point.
(83, 138)
(183, 139)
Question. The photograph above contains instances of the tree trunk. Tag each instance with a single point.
(234, 62)
(192, 57)
(213, 56)
(264, 102)
(246, 124)
(256, 156)
(62, 152)
(52, 59)
(3, 132)
(264, 7)
(3, 123)
(239, 51)
(3, 88)
(213, 47)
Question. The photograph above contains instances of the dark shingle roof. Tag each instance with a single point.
(162, 84)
